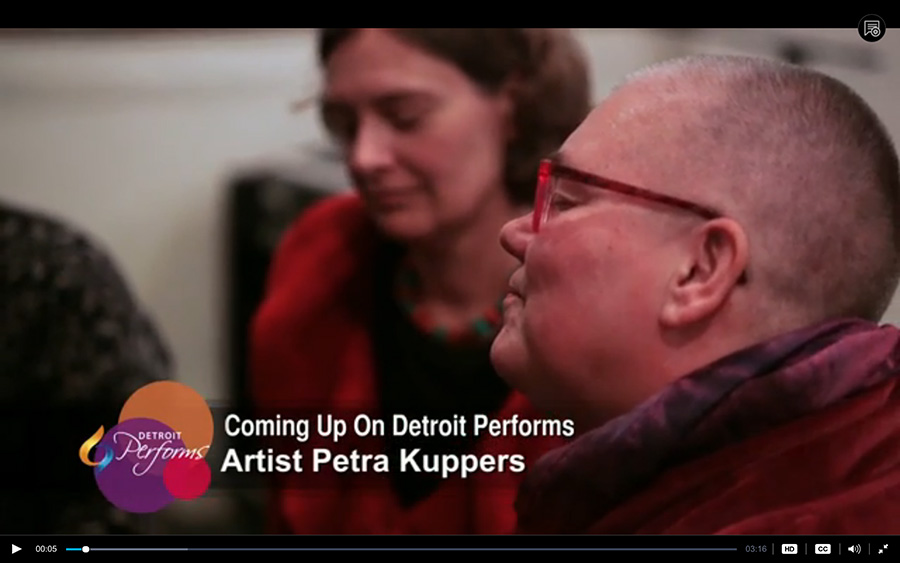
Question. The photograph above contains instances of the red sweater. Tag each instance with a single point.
(311, 353)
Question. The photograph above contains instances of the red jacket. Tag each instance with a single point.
(311, 354)
(799, 435)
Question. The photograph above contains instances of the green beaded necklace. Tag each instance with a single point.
(481, 329)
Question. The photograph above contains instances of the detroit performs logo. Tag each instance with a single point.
(156, 454)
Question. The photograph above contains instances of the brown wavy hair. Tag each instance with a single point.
(548, 70)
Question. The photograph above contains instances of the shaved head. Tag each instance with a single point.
(798, 158)
(621, 293)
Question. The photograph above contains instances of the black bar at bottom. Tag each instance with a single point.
(724, 545)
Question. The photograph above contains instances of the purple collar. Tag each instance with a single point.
(738, 396)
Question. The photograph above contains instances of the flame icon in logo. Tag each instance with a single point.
(84, 452)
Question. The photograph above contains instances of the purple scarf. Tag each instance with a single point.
(736, 397)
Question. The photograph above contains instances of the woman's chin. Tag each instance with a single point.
(403, 226)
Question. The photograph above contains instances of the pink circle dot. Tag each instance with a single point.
(187, 479)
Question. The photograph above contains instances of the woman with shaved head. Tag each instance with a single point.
(700, 288)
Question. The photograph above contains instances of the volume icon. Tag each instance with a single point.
(855, 549)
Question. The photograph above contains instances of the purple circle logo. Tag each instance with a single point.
(156, 453)
(133, 478)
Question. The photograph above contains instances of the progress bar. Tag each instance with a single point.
(88, 549)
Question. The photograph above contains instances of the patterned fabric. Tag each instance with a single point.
(74, 345)
(742, 395)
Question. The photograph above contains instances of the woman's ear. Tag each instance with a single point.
(712, 267)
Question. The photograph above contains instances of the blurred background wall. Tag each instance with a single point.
(138, 138)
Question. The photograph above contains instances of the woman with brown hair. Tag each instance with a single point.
(385, 301)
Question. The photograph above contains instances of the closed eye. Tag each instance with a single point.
(404, 121)
(406, 112)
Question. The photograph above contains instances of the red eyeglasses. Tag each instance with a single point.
(551, 171)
